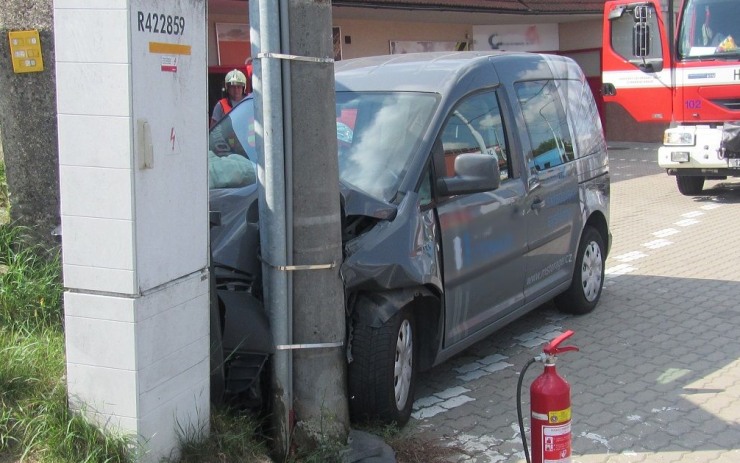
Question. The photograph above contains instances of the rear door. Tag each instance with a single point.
(483, 235)
(553, 213)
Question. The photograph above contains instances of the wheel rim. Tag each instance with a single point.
(591, 271)
(403, 364)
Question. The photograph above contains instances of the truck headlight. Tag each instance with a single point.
(674, 137)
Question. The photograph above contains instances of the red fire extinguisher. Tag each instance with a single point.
(550, 408)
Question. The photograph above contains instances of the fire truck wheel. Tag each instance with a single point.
(588, 277)
(382, 374)
(690, 186)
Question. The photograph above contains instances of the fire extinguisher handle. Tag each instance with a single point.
(553, 348)
(560, 350)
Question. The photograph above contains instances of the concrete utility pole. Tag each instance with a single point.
(300, 230)
(28, 120)
(319, 374)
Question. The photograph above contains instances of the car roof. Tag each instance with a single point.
(423, 72)
(439, 72)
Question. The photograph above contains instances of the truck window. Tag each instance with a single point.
(709, 27)
(622, 37)
(547, 126)
(475, 126)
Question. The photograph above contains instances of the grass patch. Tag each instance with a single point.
(30, 283)
(35, 421)
(232, 439)
(4, 199)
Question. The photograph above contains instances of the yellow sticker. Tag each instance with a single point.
(559, 416)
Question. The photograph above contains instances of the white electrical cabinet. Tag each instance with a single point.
(133, 126)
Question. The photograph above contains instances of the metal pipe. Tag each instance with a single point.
(265, 37)
(288, 139)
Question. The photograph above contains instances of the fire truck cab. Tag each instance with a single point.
(686, 72)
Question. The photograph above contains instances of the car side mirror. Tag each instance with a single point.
(474, 173)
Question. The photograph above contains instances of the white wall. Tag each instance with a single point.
(371, 38)
(580, 35)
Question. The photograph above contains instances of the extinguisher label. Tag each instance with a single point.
(556, 444)
(558, 416)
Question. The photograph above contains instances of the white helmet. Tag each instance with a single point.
(235, 77)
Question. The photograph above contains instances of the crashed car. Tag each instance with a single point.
(475, 187)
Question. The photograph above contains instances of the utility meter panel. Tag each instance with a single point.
(170, 126)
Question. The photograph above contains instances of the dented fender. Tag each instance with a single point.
(377, 308)
(399, 253)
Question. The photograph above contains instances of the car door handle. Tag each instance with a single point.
(538, 203)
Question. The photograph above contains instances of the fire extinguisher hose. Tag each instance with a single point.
(519, 408)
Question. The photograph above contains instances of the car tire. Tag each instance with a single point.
(382, 375)
(588, 275)
(690, 186)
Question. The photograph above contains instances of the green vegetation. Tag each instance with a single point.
(4, 201)
(232, 439)
(35, 422)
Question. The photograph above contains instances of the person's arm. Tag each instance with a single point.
(218, 114)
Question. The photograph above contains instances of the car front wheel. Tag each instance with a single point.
(588, 277)
(382, 374)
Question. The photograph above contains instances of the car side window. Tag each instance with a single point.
(475, 125)
(546, 123)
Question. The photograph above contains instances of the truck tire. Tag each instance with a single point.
(588, 276)
(690, 186)
(382, 375)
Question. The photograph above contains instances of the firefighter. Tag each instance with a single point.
(236, 84)
(710, 36)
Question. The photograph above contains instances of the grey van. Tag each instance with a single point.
(475, 188)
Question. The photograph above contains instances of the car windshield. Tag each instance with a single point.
(377, 136)
(709, 28)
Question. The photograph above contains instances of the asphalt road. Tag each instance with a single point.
(658, 375)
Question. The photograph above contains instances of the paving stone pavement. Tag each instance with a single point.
(658, 375)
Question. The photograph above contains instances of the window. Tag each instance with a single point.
(475, 126)
(546, 124)
(587, 130)
(378, 134)
(629, 35)
(709, 28)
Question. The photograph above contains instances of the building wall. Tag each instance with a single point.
(240, 17)
(579, 40)
(369, 38)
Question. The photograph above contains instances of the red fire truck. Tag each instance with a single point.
(685, 71)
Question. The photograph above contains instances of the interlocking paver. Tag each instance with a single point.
(658, 375)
